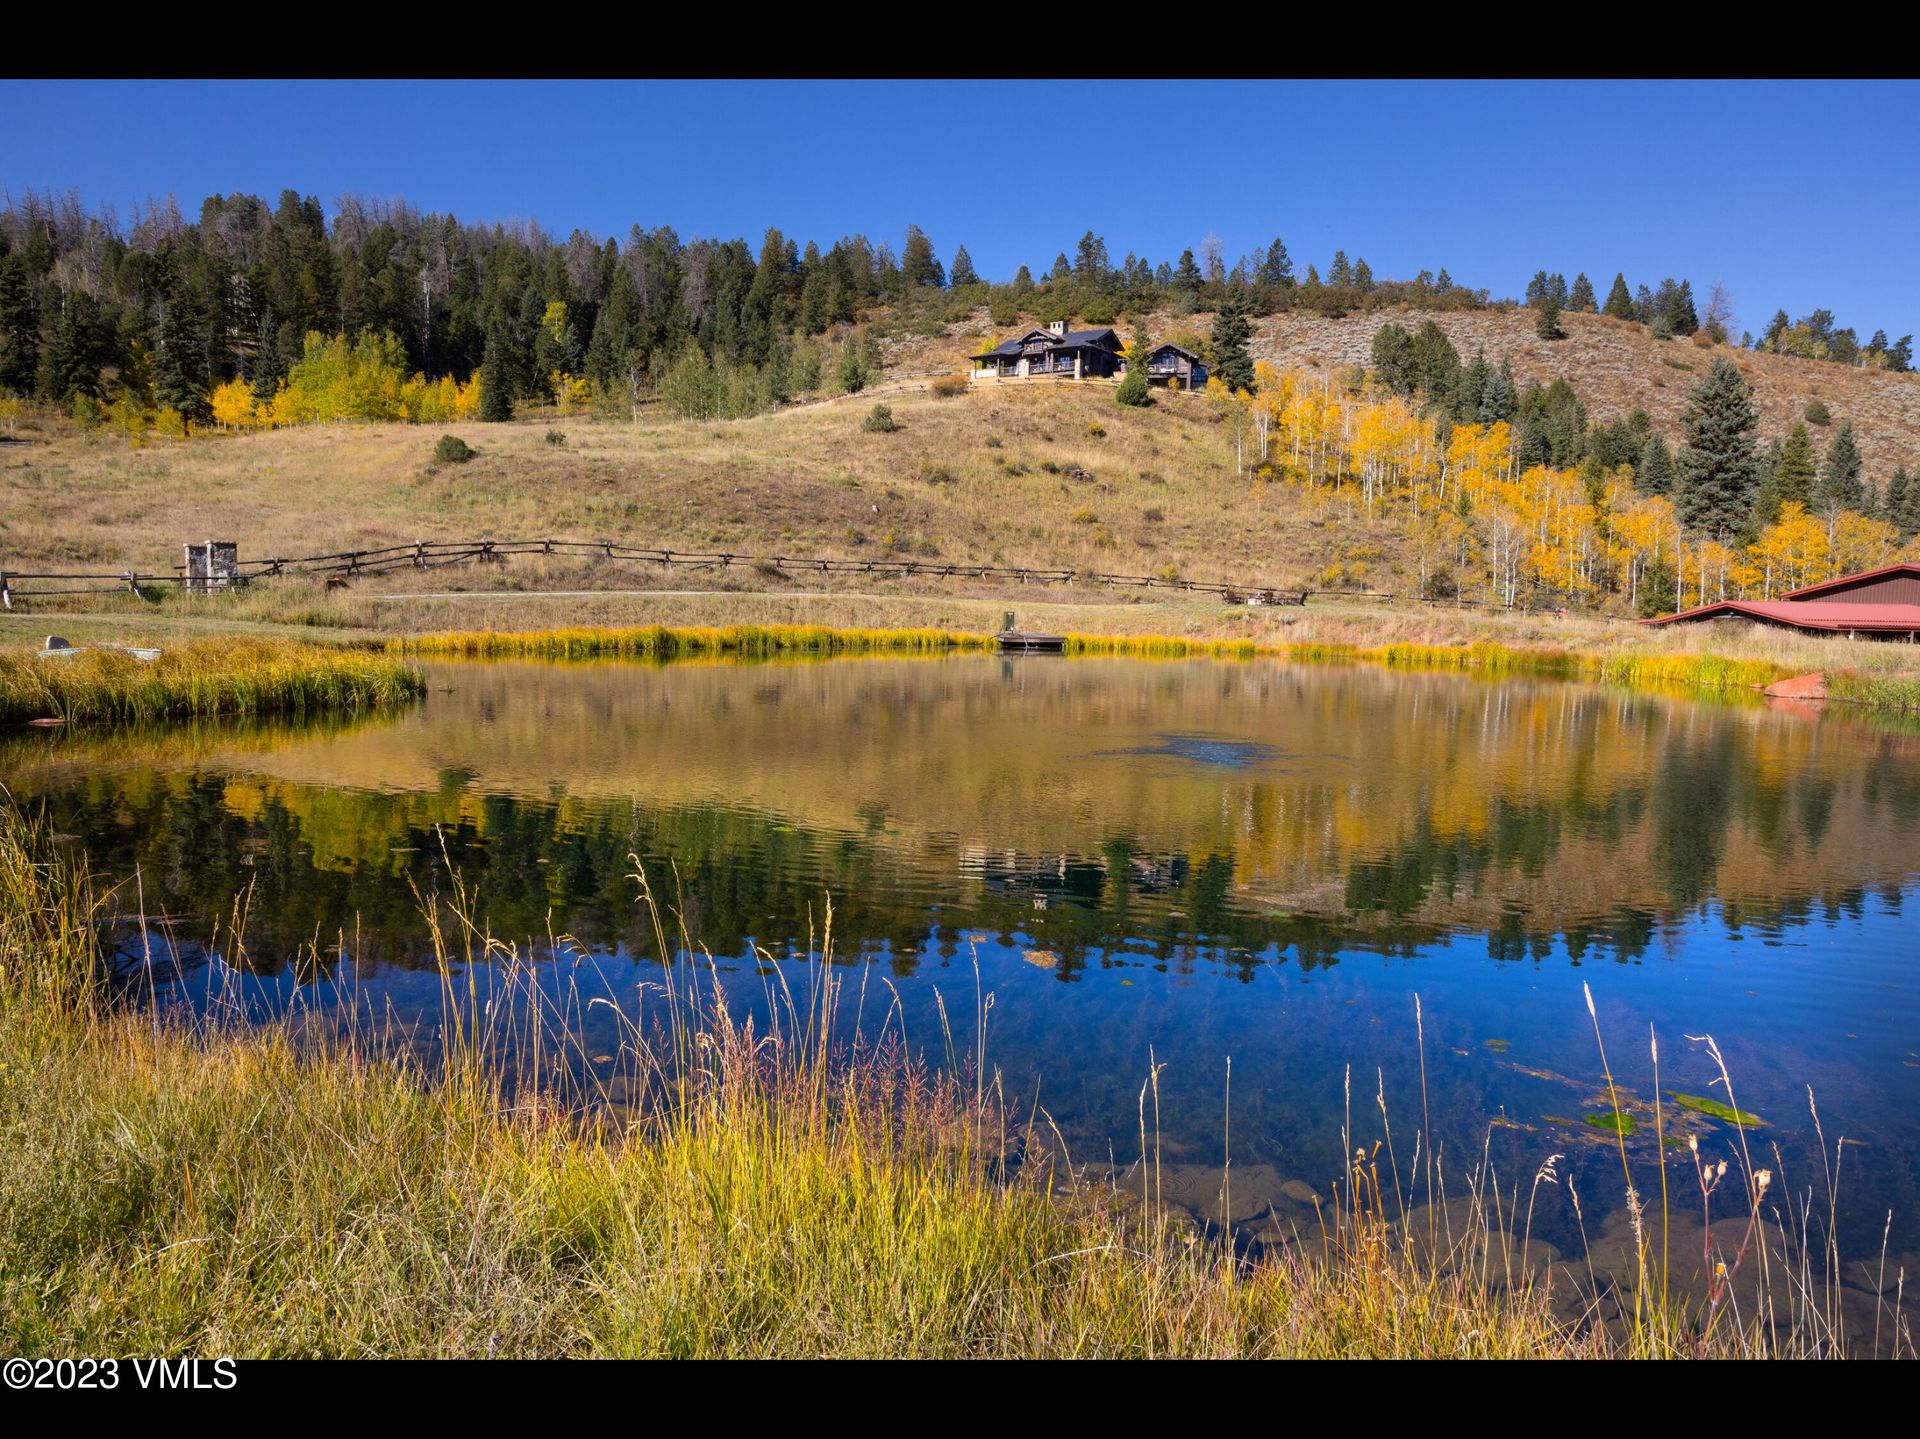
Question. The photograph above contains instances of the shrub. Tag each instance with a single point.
(452, 450)
(1154, 516)
(1085, 517)
(880, 421)
(1097, 431)
(1817, 413)
(945, 387)
(556, 437)
(1134, 391)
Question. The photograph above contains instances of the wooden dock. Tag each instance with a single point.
(1024, 642)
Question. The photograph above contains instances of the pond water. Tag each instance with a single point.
(1144, 862)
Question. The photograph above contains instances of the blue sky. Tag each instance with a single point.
(1793, 195)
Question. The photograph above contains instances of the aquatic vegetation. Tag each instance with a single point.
(202, 679)
(660, 642)
(1715, 1109)
(1614, 1121)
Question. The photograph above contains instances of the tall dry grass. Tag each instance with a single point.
(202, 679)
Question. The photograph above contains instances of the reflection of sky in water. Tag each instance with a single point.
(1188, 861)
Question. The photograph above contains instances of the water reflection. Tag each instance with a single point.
(1197, 859)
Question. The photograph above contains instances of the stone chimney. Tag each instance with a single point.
(1057, 328)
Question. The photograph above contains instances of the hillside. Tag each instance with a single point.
(1045, 474)
(1614, 366)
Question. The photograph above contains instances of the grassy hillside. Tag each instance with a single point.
(1043, 473)
(1051, 475)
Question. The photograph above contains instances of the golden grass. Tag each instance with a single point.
(202, 679)
(659, 642)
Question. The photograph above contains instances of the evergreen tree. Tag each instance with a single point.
(1839, 486)
(1231, 362)
(1793, 474)
(1362, 276)
(496, 381)
(1186, 274)
(1134, 390)
(1276, 268)
(1581, 296)
(962, 272)
(1546, 322)
(1339, 273)
(76, 348)
(19, 329)
(1718, 471)
(1903, 502)
(180, 375)
(1654, 475)
(918, 265)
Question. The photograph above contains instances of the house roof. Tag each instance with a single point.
(1072, 340)
(1169, 345)
(1806, 615)
(1899, 567)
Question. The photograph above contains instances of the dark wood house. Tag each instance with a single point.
(1168, 363)
(1054, 350)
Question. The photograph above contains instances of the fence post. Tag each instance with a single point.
(6, 592)
(420, 554)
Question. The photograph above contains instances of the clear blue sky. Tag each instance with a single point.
(1793, 195)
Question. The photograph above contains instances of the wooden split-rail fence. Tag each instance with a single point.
(227, 571)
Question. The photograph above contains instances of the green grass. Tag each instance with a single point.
(212, 1187)
(202, 679)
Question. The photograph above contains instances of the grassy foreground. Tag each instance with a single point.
(203, 1187)
(201, 679)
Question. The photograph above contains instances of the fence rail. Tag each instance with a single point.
(340, 565)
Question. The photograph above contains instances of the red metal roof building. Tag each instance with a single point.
(1876, 604)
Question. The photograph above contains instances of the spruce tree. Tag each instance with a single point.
(1581, 296)
(1546, 322)
(496, 383)
(1903, 502)
(1654, 474)
(1793, 475)
(1231, 362)
(75, 350)
(1718, 471)
(19, 330)
(962, 272)
(1839, 486)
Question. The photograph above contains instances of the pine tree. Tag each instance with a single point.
(1581, 297)
(1339, 273)
(496, 382)
(75, 350)
(1654, 474)
(1362, 276)
(962, 272)
(1187, 274)
(1839, 486)
(1718, 471)
(1793, 475)
(19, 330)
(1547, 318)
(1903, 502)
(1231, 362)
(1277, 266)
(918, 266)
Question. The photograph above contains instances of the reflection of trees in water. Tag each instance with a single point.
(315, 861)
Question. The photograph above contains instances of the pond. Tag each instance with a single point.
(1172, 863)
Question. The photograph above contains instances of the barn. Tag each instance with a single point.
(1874, 604)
